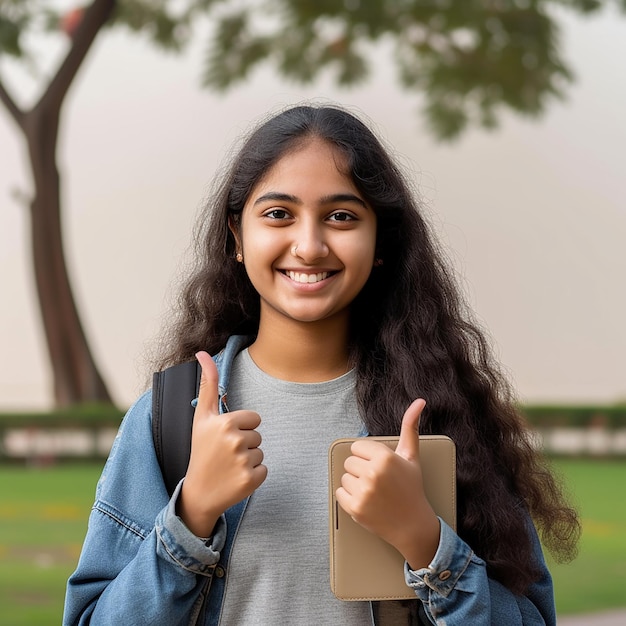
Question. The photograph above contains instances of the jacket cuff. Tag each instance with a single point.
(452, 558)
(177, 543)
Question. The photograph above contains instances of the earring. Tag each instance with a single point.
(239, 257)
(378, 262)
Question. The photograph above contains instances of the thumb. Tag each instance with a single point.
(208, 396)
(409, 444)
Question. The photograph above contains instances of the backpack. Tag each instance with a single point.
(173, 389)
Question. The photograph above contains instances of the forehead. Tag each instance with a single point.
(315, 164)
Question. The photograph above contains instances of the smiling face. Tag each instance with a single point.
(307, 236)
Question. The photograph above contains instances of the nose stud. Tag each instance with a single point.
(294, 250)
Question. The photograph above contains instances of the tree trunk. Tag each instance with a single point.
(76, 377)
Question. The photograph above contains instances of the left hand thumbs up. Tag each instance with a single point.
(383, 491)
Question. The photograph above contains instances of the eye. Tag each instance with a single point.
(341, 216)
(277, 214)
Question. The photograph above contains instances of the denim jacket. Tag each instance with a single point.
(141, 565)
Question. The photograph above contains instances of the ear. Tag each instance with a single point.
(378, 257)
(234, 229)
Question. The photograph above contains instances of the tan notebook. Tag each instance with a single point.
(362, 565)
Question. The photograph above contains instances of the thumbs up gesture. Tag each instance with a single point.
(225, 465)
(383, 491)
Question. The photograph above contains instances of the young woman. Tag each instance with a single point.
(330, 313)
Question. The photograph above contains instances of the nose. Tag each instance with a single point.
(309, 245)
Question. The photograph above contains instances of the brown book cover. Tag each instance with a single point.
(362, 565)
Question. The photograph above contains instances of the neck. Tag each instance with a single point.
(302, 352)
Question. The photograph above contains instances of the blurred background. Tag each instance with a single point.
(533, 213)
(510, 122)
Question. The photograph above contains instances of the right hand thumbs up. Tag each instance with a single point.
(225, 465)
(208, 396)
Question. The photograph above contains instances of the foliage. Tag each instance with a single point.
(576, 416)
(549, 415)
(468, 60)
(75, 416)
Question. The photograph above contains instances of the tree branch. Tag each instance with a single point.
(16, 113)
(95, 16)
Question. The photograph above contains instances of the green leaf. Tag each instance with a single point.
(10, 33)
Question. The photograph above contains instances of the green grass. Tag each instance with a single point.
(43, 519)
(595, 580)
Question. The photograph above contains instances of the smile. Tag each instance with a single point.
(300, 277)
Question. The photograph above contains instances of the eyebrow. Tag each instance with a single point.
(275, 196)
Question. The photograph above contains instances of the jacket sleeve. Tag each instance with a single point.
(455, 589)
(139, 563)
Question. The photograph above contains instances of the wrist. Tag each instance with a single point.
(200, 523)
(420, 544)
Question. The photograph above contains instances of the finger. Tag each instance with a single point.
(259, 474)
(343, 499)
(251, 439)
(349, 483)
(366, 448)
(208, 396)
(409, 443)
(245, 420)
(255, 455)
(355, 465)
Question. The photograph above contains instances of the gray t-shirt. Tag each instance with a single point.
(279, 565)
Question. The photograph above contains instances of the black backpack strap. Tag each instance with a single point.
(173, 389)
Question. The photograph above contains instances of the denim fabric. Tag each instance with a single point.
(455, 589)
(141, 565)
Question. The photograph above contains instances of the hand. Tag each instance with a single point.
(225, 465)
(383, 491)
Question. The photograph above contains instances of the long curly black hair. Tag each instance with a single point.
(411, 336)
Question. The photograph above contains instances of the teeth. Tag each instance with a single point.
(307, 278)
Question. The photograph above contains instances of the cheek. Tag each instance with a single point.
(259, 243)
(261, 253)
(360, 250)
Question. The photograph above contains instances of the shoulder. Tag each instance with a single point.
(136, 422)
